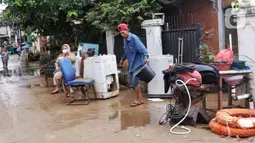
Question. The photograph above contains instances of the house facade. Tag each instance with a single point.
(208, 13)
(181, 18)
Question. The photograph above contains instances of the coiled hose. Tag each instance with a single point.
(177, 82)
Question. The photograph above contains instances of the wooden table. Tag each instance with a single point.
(225, 74)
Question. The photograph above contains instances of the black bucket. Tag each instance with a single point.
(145, 73)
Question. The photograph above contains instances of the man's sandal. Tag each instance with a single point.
(136, 103)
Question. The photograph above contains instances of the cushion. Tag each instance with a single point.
(81, 81)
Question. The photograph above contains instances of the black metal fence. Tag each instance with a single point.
(182, 27)
(175, 27)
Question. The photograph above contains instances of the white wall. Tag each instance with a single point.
(3, 31)
(246, 38)
(252, 2)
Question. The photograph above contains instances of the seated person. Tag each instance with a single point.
(25, 45)
(58, 74)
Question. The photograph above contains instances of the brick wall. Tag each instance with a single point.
(206, 17)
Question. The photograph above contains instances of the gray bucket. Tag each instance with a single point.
(145, 73)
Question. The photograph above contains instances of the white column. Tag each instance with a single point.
(246, 36)
(9, 31)
(252, 2)
(110, 41)
(16, 38)
(153, 36)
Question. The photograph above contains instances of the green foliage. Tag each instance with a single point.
(236, 5)
(207, 55)
(33, 57)
(167, 2)
(50, 17)
(106, 15)
(55, 17)
(44, 59)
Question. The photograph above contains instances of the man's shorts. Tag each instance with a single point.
(134, 80)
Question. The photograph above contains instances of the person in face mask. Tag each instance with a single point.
(66, 53)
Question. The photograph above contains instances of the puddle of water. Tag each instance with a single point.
(32, 72)
(82, 116)
(18, 71)
(115, 105)
(14, 73)
(129, 116)
(11, 71)
(115, 109)
(134, 118)
(113, 115)
(8, 79)
(70, 119)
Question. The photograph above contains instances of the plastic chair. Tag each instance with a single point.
(70, 80)
(49, 71)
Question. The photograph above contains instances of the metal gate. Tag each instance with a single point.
(182, 27)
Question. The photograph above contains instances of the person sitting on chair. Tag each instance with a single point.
(58, 74)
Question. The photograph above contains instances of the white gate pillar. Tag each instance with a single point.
(153, 36)
(246, 36)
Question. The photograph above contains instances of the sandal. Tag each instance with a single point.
(135, 103)
(55, 92)
(71, 91)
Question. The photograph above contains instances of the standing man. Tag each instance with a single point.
(137, 55)
(5, 58)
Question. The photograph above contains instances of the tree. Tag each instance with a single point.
(50, 17)
(55, 17)
(106, 15)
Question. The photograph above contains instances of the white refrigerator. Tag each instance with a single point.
(156, 86)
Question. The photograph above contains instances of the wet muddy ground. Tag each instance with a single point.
(29, 114)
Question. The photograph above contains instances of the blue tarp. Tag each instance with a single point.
(237, 69)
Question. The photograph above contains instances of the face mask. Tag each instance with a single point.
(64, 51)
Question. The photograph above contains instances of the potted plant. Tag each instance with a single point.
(207, 55)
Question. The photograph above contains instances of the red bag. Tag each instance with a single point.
(225, 55)
(186, 76)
